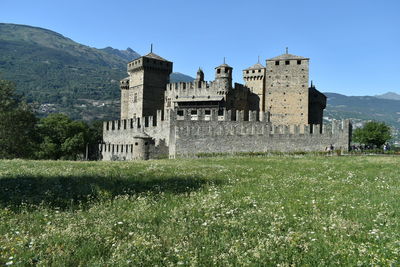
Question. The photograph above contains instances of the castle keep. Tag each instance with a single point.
(275, 110)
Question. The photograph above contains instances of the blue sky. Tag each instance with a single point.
(353, 45)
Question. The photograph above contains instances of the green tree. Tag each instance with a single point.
(62, 138)
(373, 133)
(17, 124)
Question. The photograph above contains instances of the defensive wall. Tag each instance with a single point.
(184, 134)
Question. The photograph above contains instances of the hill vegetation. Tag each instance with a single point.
(62, 75)
(287, 211)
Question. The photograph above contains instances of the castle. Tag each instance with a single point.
(275, 110)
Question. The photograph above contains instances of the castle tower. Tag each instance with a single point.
(148, 77)
(200, 75)
(223, 78)
(254, 78)
(286, 89)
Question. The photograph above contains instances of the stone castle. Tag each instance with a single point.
(275, 110)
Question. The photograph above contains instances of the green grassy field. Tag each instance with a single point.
(287, 210)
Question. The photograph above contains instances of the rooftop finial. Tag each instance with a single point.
(258, 61)
(312, 86)
(287, 50)
(224, 60)
(151, 48)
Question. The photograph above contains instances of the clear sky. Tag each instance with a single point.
(353, 44)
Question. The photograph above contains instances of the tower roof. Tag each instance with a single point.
(256, 66)
(224, 66)
(155, 56)
(287, 57)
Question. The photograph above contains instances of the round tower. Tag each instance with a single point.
(223, 77)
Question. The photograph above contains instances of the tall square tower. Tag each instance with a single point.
(286, 89)
(142, 93)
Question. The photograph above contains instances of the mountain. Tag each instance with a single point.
(389, 95)
(180, 77)
(363, 108)
(61, 75)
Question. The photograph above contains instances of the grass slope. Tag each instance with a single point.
(49, 68)
(304, 210)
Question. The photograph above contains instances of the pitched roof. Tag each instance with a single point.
(287, 57)
(155, 56)
(224, 65)
(255, 67)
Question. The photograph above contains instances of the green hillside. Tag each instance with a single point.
(363, 108)
(62, 75)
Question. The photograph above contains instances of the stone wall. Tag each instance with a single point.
(227, 136)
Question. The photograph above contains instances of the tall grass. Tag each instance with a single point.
(287, 210)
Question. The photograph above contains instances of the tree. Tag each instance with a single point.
(17, 124)
(62, 138)
(373, 133)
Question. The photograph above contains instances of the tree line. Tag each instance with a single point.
(23, 135)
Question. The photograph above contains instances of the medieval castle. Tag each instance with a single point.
(275, 110)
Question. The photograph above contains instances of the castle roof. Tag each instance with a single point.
(155, 56)
(287, 57)
(224, 65)
(255, 67)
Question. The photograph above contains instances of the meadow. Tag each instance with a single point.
(224, 211)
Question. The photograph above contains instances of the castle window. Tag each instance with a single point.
(259, 70)
(247, 71)
(131, 148)
(287, 85)
(218, 71)
(220, 112)
(302, 85)
(193, 112)
(269, 76)
(302, 114)
(284, 93)
(135, 98)
(302, 69)
(298, 62)
(180, 112)
(126, 148)
(287, 62)
(145, 143)
(253, 71)
(277, 62)
(122, 148)
(169, 102)
(136, 143)
(176, 97)
(207, 112)
(226, 70)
